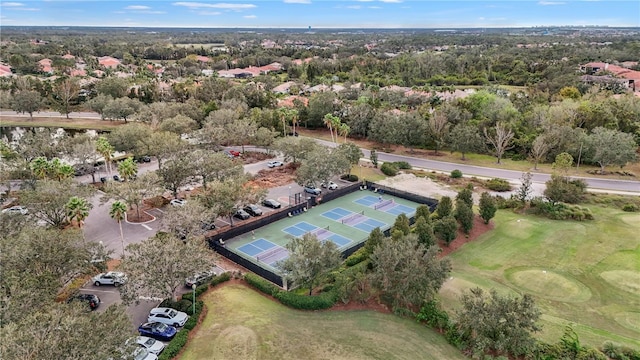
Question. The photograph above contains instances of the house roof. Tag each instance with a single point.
(5, 70)
(108, 62)
(68, 57)
(202, 58)
(288, 101)
(77, 72)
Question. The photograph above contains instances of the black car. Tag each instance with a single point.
(253, 210)
(92, 300)
(118, 178)
(271, 204)
(241, 214)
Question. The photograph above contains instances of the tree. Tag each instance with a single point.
(67, 331)
(445, 229)
(134, 192)
(331, 121)
(48, 201)
(488, 207)
(465, 138)
(423, 211)
(525, 189)
(152, 269)
(561, 189)
(351, 152)
(563, 164)
(187, 221)
(539, 149)
(98, 104)
(127, 169)
(104, 148)
(210, 166)
(87, 156)
(176, 173)
(66, 91)
(407, 272)
(498, 323)
(225, 197)
(344, 130)
(113, 86)
(373, 156)
(118, 212)
(309, 260)
(376, 236)
(321, 165)
(500, 138)
(121, 108)
(131, 138)
(162, 145)
(464, 215)
(78, 209)
(178, 124)
(295, 149)
(401, 224)
(27, 101)
(445, 207)
(465, 195)
(612, 147)
(438, 129)
(424, 231)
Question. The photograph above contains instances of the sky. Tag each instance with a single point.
(321, 13)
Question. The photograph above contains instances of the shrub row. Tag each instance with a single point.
(630, 207)
(293, 300)
(357, 257)
(402, 165)
(498, 185)
(560, 211)
(185, 304)
(349, 177)
(175, 345)
(618, 352)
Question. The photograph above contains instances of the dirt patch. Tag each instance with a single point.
(250, 157)
(372, 304)
(418, 185)
(270, 178)
(479, 228)
(142, 216)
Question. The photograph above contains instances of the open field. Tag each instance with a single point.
(586, 273)
(242, 324)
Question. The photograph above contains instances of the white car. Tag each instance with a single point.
(178, 202)
(168, 316)
(152, 345)
(110, 278)
(273, 164)
(143, 354)
(331, 185)
(16, 210)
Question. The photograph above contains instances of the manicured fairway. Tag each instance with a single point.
(242, 324)
(586, 273)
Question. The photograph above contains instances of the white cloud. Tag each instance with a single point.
(297, 1)
(354, 7)
(137, 7)
(204, 12)
(26, 9)
(12, 4)
(198, 5)
(545, 3)
(249, 16)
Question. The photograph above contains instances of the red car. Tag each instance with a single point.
(232, 153)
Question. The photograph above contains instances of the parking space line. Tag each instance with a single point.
(146, 226)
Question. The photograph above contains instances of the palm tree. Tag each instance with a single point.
(293, 114)
(329, 120)
(78, 209)
(118, 212)
(284, 114)
(106, 150)
(344, 131)
(127, 168)
(39, 167)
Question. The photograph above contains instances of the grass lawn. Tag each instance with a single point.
(242, 324)
(585, 273)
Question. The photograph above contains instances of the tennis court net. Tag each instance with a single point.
(353, 218)
(383, 204)
(268, 253)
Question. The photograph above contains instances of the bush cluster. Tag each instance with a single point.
(456, 174)
(403, 165)
(349, 177)
(560, 211)
(630, 208)
(618, 352)
(291, 299)
(498, 185)
(218, 280)
(357, 257)
(389, 169)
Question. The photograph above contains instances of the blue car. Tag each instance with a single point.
(157, 330)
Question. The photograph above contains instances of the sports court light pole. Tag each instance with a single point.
(289, 195)
(193, 286)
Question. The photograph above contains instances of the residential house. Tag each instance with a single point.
(46, 66)
(109, 62)
(5, 71)
(631, 77)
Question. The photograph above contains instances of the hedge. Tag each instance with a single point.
(290, 299)
(175, 345)
(357, 257)
(349, 177)
(403, 165)
(220, 279)
(498, 185)
(261, 284)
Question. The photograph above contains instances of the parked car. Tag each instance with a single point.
(232, 153)
(16, 210)
(92, 300)
(331, 185)
(312, 190)
(110, 278)
(241, 214)
(199, 278)
(207, 226)
(152, 345)
(144, 158)
(156, 330)
(178, 202)
(143, 354)
(271, 204)
(253, 210)
(273, 164)
(118, 178)
(168, 316)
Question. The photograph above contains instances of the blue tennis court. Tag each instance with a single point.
(370, 224)
(368, 200)
(256, 247)
(336, 213)
(339, 240)
(301, 228)
(401, 209)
